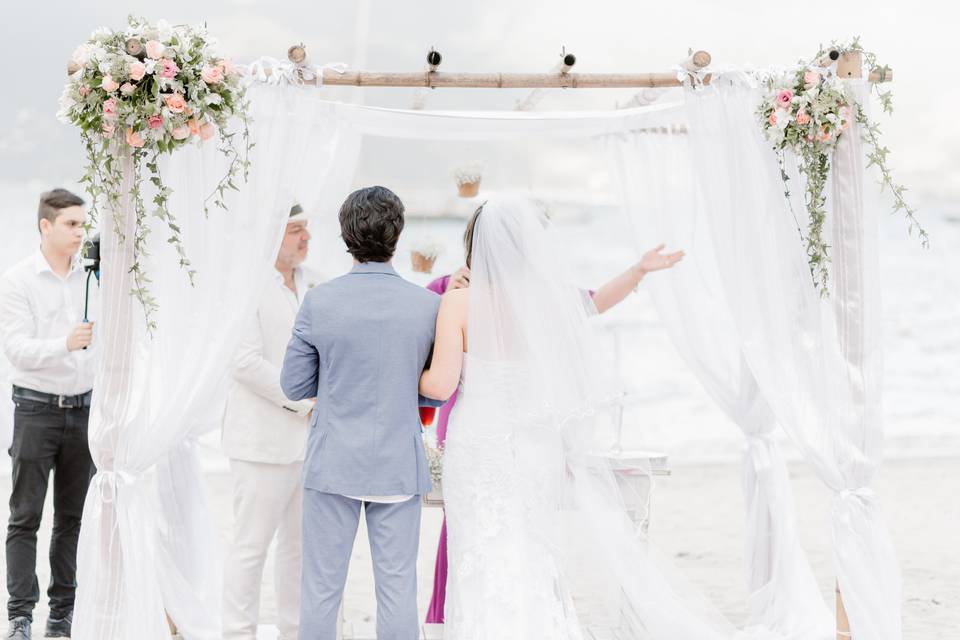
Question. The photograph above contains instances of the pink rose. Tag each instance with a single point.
(784, 96)
(176, 103)
(155, 49)
(772, 119)
(134, 139)
(229, 68)
(84, 91)
(206, 131)
(109, 84)
(803, 117)
(212, 74)
(126, 88)
(155, 122)
(181, 133)
(811, 78)
(110, 108)
(137, 70)
(108, 129)
(170, 68)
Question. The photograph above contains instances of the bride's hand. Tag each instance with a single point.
(654, 260)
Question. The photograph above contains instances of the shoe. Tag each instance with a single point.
(19, 628)
(59, 627)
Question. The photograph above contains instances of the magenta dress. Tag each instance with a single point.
(435, 611)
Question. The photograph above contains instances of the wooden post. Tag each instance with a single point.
(843, 625)
(850, 65)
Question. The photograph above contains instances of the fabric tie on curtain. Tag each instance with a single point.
(149, 547)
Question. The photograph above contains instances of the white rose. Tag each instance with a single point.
(81, 55)
(783, 119)
(212, 98)
(149, 63)
(101, 34)
(67, 103)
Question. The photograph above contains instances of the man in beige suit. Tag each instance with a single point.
(264, 435)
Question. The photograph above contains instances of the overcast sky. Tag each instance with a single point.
(916, 38)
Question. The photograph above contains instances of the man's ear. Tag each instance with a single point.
(44, 226)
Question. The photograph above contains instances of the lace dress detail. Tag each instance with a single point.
(503, 581)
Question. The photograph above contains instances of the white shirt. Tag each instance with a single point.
(260, 423)
(38, 310)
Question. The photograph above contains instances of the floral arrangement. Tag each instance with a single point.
(429, 247)
(806, 111)
(468, 174)
(435, 463)
(147, 90)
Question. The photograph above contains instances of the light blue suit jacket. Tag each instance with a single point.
(359, 345)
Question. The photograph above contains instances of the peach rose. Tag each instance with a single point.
(811, 78)
(126, 88)
(176, 103)
(823, 136)
(784, 96)
(155, 49)
(134, 139)
(772, 119)
(206, 131)
(110, 108)
(803, 117)
(169, 68)
(137, 70)
(155, 122)
(212, 74)
(194, 126)
(181, 133)
(109, 84)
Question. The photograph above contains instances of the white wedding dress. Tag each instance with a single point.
(539, 544)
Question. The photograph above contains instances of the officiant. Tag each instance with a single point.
(264, 436)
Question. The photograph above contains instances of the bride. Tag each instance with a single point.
(540, 546)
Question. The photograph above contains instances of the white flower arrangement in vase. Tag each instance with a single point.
(435, 464)
(424, 253)
(468, 179)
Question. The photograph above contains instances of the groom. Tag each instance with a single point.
(359, 345)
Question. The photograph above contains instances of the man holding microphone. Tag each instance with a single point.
(52, 349)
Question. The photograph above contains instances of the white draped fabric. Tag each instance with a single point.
(659, 189)
(742, 310)
(147, 543)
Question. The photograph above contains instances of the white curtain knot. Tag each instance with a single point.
(864, 494)
(108, 483)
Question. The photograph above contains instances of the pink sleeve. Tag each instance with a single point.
(439, 286)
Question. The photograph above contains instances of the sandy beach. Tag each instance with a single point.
(698, 522)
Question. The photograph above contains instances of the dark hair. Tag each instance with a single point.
(55, 200)
(468, 236)
(371, 220)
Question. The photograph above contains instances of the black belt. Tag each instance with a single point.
(80, 401)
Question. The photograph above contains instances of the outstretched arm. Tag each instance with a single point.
(301, 363)
(441, 379)
(613, 292)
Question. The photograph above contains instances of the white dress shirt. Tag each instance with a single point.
(38, 310)
(260, 423)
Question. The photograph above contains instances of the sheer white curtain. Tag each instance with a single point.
(816, 361)
(147, 544)
(658, 191)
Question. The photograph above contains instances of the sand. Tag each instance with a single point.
(698, 521)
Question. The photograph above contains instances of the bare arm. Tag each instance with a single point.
(443, 376)
(614, 291)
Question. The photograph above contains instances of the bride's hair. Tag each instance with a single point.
(468, 235)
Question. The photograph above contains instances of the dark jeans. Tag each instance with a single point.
(45, 438)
